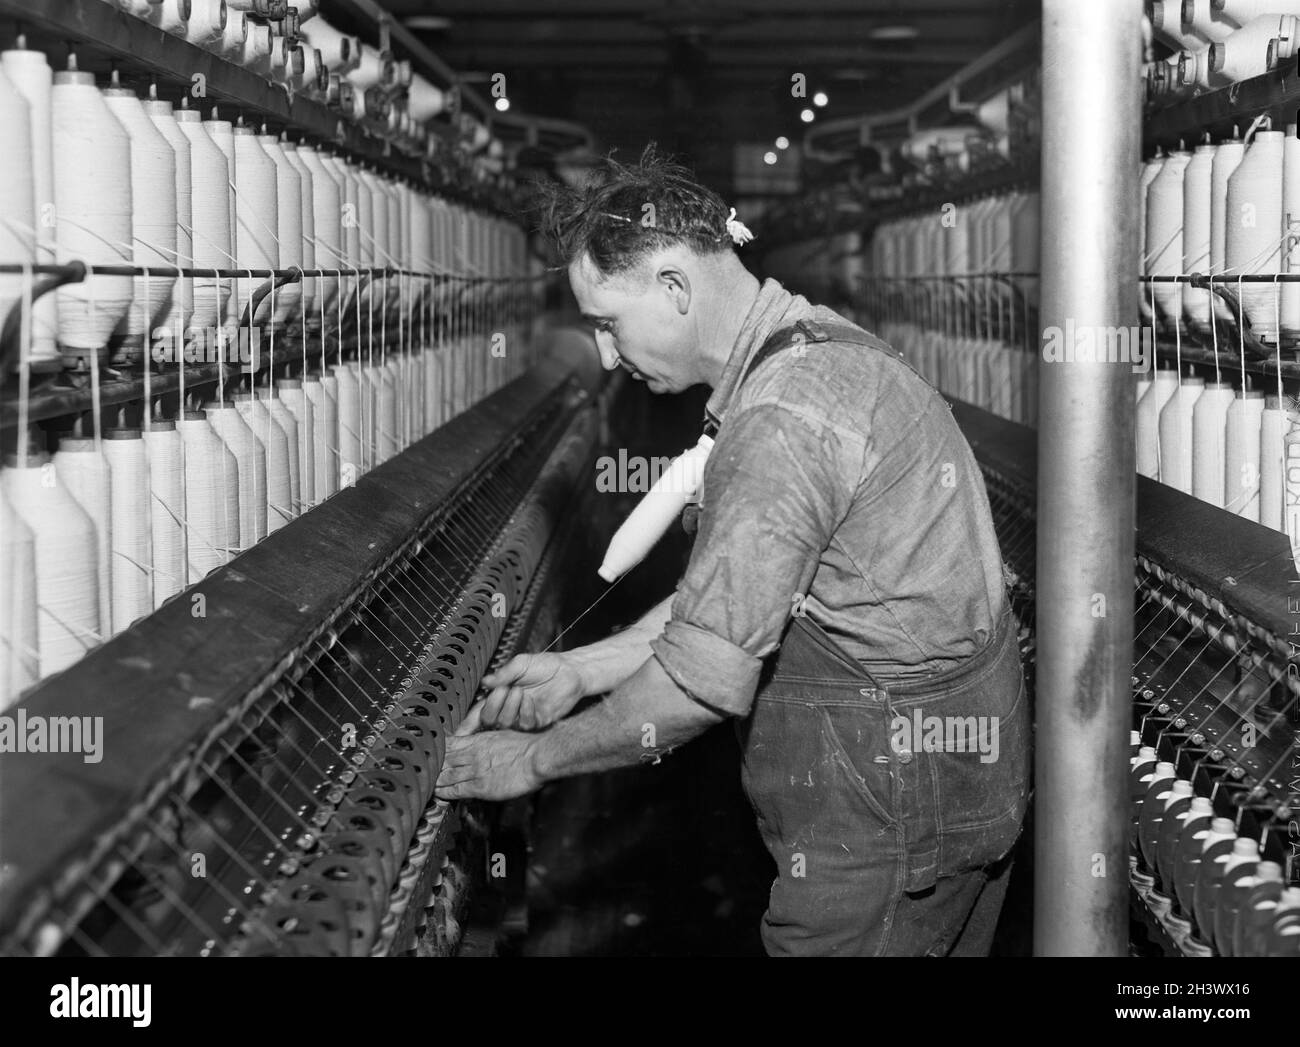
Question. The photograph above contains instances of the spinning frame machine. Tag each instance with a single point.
(289, 741)
(272, 730)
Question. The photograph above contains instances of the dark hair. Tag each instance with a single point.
(629, 211)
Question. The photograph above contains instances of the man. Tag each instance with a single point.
(844, 596)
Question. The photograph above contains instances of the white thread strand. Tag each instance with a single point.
(291, 395)
(1197, 193)
(250, 456)
(129, 500)
(288, 227)
(288, 425)
(350, 460)
(211, 496)
(164, 450)
(327, 221)
(307, 227)
(387, 435)
(314, 391)
(279, 491)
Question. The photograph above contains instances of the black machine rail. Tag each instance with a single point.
(277, 727)
(1215, 686)
(1243, 565)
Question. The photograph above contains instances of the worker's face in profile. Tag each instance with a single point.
(639, 323)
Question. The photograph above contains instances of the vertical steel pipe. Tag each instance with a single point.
(1091, 145)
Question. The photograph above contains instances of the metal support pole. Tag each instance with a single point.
(1091, 147)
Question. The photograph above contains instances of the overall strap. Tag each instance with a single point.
(798, 335)
(809, 332)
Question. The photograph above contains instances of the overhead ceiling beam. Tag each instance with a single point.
(929, 28)
(744, 9)
(737, 74)
(504, 55)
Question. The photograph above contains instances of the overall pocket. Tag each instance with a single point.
(970, 769)
(856, 738)
(812, 774)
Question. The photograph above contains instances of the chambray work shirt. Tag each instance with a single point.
(838, 486)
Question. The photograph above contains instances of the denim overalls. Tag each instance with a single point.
(881, 832)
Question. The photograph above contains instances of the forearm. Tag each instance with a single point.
(607, 663)
(646, 714)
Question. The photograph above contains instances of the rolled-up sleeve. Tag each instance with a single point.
(707, 667)
(777, 484)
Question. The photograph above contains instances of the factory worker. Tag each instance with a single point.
(844, 604)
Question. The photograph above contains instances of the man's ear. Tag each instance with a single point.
(677, 285)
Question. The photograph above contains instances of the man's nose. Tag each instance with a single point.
(608, 355)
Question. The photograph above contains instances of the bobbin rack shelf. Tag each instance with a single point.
(105, 38)
(1228, 359)
(1217, 111)
(525, 128)
(1226, 345)
(1005, 179)
(1183, 123)
(72, 395)
(74, 392)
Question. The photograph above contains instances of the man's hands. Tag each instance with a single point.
(488, 765)
(502, 764)
(531, 691)
(489, 757)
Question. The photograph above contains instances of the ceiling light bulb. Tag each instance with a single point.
(428, 22)
(894, 32)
